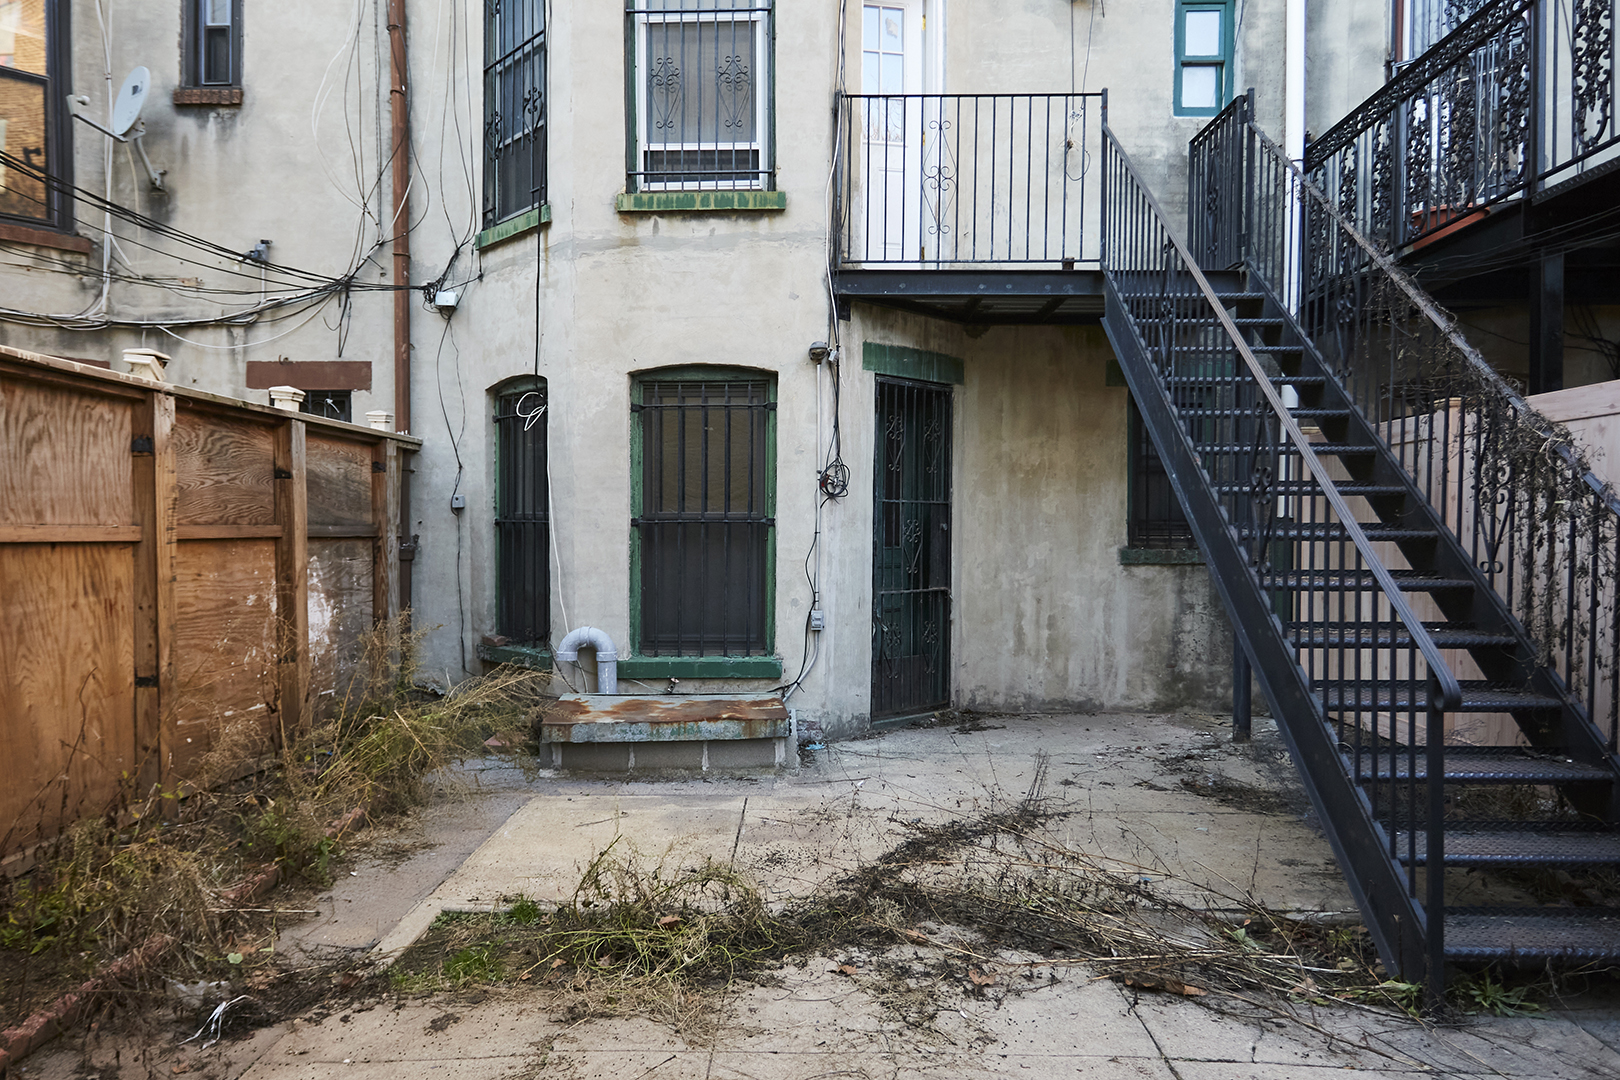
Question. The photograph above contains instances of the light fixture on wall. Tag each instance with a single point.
(818, 351)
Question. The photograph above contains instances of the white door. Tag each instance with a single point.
(892, 119)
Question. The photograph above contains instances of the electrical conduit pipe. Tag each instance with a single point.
(607, 658)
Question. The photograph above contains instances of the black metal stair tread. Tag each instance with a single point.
(1276, 380)
(1362, 488)
(1477, 765)
(1406, 580)
(1477, 696)
(1332, 530)
(1446, 636)
(1512, 844)
(1532, 933)
(1298, 414)
(1330, 449)
(1226, 348)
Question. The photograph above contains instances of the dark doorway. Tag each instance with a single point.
(911, 550)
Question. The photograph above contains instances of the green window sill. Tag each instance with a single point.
(1129, 556)
(676, 202)
(531, 657)
(700, 667)
(516, 226)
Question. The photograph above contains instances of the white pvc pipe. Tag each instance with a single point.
(1294, 83)
(607, 657)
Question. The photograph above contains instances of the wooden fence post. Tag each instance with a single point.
(292, 577)
(154, 501)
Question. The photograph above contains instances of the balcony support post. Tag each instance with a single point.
(1547, 323)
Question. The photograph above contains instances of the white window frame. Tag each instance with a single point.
(761, 100)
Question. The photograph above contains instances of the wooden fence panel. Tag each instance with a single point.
(174, 566)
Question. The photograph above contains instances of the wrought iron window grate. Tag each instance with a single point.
(704, 521)
(701, 94)
(522, 516)
(514, 108)
(1155, 517)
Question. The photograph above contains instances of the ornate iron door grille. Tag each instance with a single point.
(522, 518)
(911, 545)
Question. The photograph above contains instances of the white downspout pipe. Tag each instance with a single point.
(607, 658)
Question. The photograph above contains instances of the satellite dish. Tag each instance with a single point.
(127, 109)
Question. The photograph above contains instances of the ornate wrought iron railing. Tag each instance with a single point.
(1512, 487)
(965, 180)
(1521, 96)
(1352, 673)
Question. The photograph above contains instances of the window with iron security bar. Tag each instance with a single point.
(1154, 517)
(522, 514)
(703, 516)
(700, 88)
(332, 404)
(514, 108)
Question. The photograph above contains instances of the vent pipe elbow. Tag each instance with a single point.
(607, 657)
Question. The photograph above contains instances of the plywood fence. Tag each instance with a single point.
(173, 565)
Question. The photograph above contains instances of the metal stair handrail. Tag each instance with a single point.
(1444, 683)
(1557, 441)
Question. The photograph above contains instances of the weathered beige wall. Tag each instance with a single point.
(234, 175)
(1347, 44)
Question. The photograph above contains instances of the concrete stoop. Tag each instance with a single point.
(682, 733)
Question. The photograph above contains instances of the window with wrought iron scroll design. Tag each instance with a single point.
(522, 512)
(36, 168)
(702, 515)
(514, 108)
(700, 94)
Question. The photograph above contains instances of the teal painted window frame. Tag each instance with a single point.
(1223, 89)
(636, 13)
(750, 666)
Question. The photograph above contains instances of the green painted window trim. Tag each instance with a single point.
(1129, 556)
(700, 667)
(717, 372)
(532, 657)
(696, 202)
(525, 222)
(1223, 92)
(904, 362)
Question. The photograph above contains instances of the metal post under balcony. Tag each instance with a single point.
(979, 208)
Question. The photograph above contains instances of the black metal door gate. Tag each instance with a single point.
(911, 549)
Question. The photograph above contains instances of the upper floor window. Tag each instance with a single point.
(701, 105)
(214, 35)
(1420, 24)
(1204, 44)
(33, 117)
(514, 108)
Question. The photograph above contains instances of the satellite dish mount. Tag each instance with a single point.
(127, 125)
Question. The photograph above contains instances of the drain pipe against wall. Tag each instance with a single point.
(607, 657)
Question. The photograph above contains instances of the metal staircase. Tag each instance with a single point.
(1405, 551)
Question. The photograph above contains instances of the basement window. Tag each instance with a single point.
(331, 404)
(703, 505)
(1155, 520)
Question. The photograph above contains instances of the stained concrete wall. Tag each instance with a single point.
(236, 174)
(1347, 43)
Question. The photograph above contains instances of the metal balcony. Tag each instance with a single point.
(981, 208)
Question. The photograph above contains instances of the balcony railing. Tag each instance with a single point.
(931, 181)
(1521, 96)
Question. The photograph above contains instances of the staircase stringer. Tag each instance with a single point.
(1377, 883)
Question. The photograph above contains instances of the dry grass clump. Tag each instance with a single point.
(176, 862)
